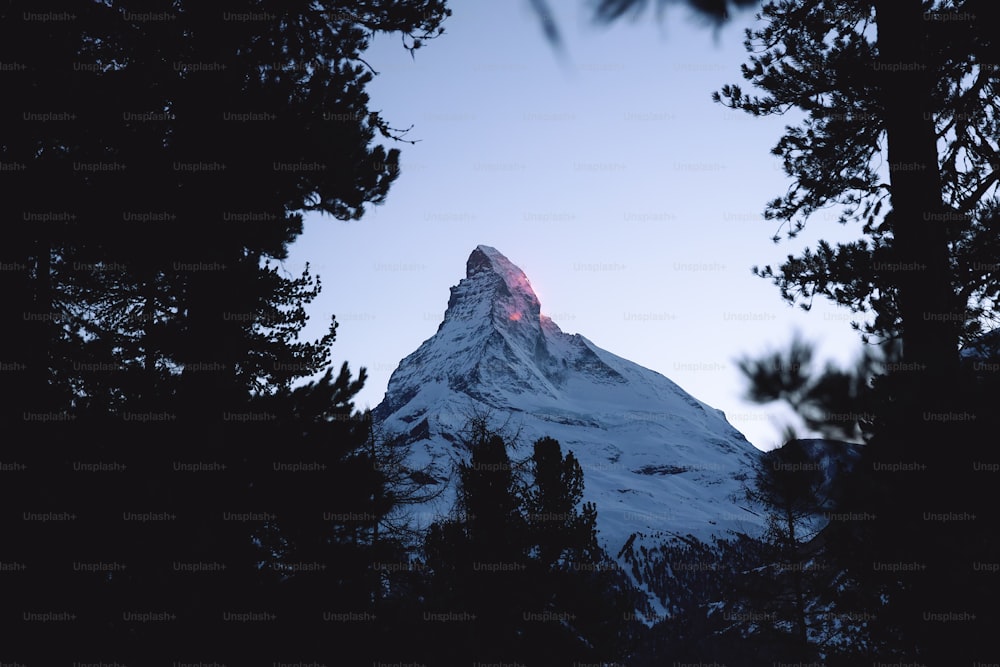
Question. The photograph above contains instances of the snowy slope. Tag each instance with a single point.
(656, 460)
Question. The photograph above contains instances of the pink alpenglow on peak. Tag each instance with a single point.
(516, 299)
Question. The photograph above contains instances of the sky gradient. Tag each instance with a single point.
(631, 200)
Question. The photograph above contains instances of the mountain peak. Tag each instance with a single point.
(494, 281)
(482, 258)
(658, 461)
(487, 258)
(513, 287)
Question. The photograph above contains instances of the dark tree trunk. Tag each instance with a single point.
(920, 268)
(925, 393)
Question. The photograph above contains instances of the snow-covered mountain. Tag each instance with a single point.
(656, 461)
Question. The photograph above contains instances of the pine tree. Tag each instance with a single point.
(837, 403)
(563, 533)
(475, 557)
(790, 486)
(325, 496)
(886, 81)
(160, 162)
(522, 561)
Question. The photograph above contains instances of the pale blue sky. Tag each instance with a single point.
(611, 156)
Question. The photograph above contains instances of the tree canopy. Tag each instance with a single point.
(157, 162)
